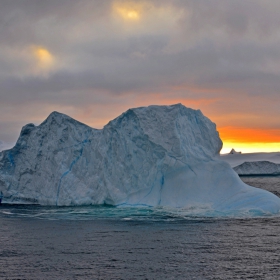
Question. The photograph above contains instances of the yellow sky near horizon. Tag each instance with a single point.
(248, 140)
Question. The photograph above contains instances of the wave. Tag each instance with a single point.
(149, 214)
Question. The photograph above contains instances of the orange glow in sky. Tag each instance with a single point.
(249, 140)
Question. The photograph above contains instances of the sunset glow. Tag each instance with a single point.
(248, 140)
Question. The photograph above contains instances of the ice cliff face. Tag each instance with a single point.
(258, 168)
(156, 155)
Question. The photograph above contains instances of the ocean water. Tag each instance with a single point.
(145, 243)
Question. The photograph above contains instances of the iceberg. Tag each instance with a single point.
(254, 163)
(148, 156)
(233, 152)
(258, 168)
(235, 159)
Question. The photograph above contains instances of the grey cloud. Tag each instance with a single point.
(204, 65)
(234, 17)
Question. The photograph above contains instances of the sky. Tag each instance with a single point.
(93, 60)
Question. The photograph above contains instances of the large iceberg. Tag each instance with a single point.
(148, 156)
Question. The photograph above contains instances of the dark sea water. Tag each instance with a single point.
(124, 243)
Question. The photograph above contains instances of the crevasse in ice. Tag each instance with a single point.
(151, 156)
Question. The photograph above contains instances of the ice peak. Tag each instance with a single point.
(57, 117)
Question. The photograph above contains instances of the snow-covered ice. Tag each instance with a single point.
(148, 156)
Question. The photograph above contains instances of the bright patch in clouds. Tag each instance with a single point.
(129, 10)
(44, 58)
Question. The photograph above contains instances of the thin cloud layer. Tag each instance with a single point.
(94, 59)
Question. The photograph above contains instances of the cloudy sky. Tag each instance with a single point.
(95, 59)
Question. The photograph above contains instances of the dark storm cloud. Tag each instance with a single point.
(96, 57)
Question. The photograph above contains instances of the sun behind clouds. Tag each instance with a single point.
(128, 10)
(42, 61)
(44, 58)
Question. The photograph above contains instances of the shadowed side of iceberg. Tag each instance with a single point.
(213, 185)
